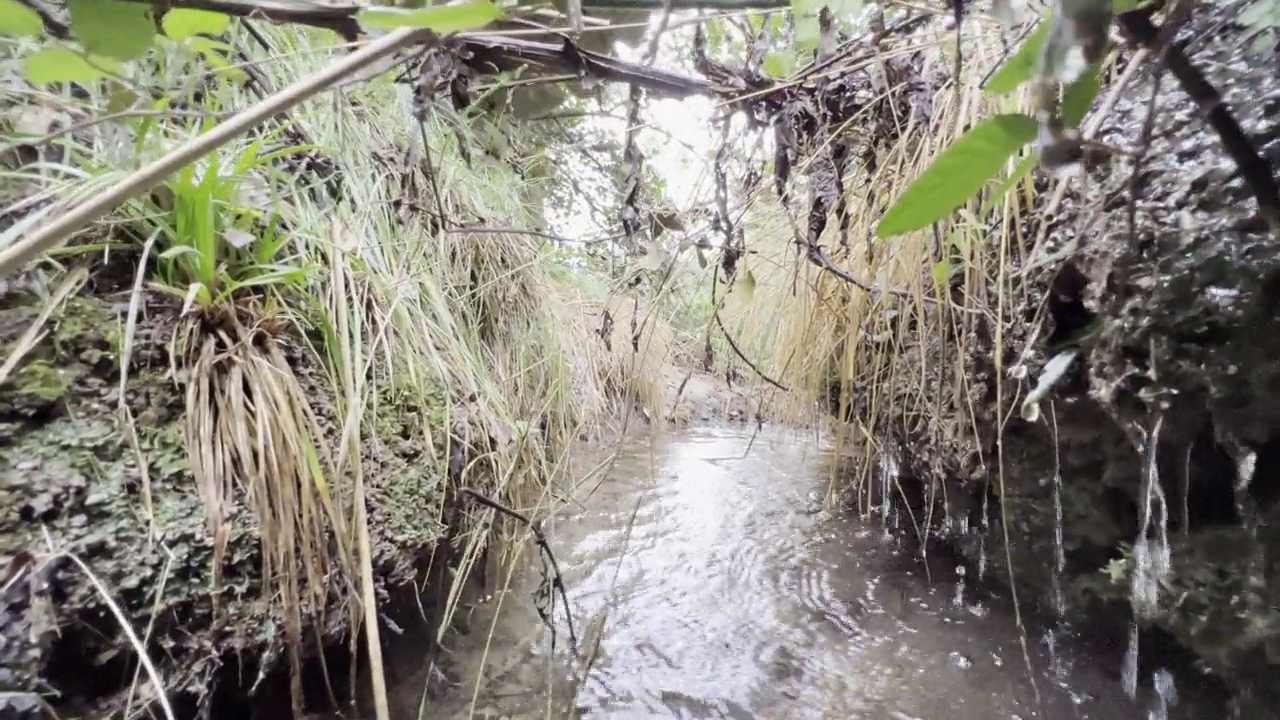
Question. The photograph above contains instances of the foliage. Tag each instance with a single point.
(959, 172)
(18, 20)
(977, 157)
(211, 243)
(112, 32)
(314, 319)
(1020, 65)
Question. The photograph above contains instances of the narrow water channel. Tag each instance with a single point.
(722, 589)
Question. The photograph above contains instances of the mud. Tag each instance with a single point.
(1178, 313)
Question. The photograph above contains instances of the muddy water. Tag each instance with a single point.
(723, 590)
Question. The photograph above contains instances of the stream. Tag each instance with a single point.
(719, 587)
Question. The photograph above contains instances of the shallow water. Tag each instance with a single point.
(725, 591)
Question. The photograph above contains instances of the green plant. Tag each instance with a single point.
(212, 241)
(975, 158)
(111, 33)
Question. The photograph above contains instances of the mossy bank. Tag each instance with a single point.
(72, 484)
(1164, 427)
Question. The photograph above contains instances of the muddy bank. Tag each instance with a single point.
(1159, 450)
(70, 484)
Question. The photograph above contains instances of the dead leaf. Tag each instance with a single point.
(36, 121)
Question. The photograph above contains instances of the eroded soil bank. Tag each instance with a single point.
(70, 485)
(1153, 468)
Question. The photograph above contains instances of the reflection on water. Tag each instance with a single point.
(726, 593)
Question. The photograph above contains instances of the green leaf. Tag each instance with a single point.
(18, 20)
(1078, 98)
(807, 32)
(958, 173)
(1019, 67)
(182, 23)
(442, 19)
(1021, 170)
(941, 273)
(58, 64)
(780, 64)
(113, 28)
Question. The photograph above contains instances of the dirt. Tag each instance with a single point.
(700, 397)
(70, 486)
(1187, 334)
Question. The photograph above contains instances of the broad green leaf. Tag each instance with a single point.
(113, 28)
(18, 20)
(58, 64)
(442, 19)
(1079, 96)
(958, 173)
(780, 64)
(1019, 67)
(1021, 170)
(182, 23)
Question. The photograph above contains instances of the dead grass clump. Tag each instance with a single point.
(899, 352)
(621, 354)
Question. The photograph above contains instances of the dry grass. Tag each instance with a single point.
(896, 351)
(612, 374)
(466, 327)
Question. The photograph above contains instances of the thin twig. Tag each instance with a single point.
(743, 357)
(556, 580)
(1258, 174)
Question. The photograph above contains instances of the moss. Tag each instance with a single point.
(405, 485)
(39, 384)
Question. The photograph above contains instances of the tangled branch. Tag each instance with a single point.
(552, 582)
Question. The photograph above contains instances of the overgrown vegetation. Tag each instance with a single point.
(313, 335)
(357, 303)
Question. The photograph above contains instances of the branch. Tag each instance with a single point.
(1258, 174)
(560, 56)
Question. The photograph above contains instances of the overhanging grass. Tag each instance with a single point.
(290, 375)
(895, 352)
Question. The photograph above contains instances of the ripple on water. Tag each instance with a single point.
(725, 599)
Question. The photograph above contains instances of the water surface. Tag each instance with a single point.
(724, 590)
